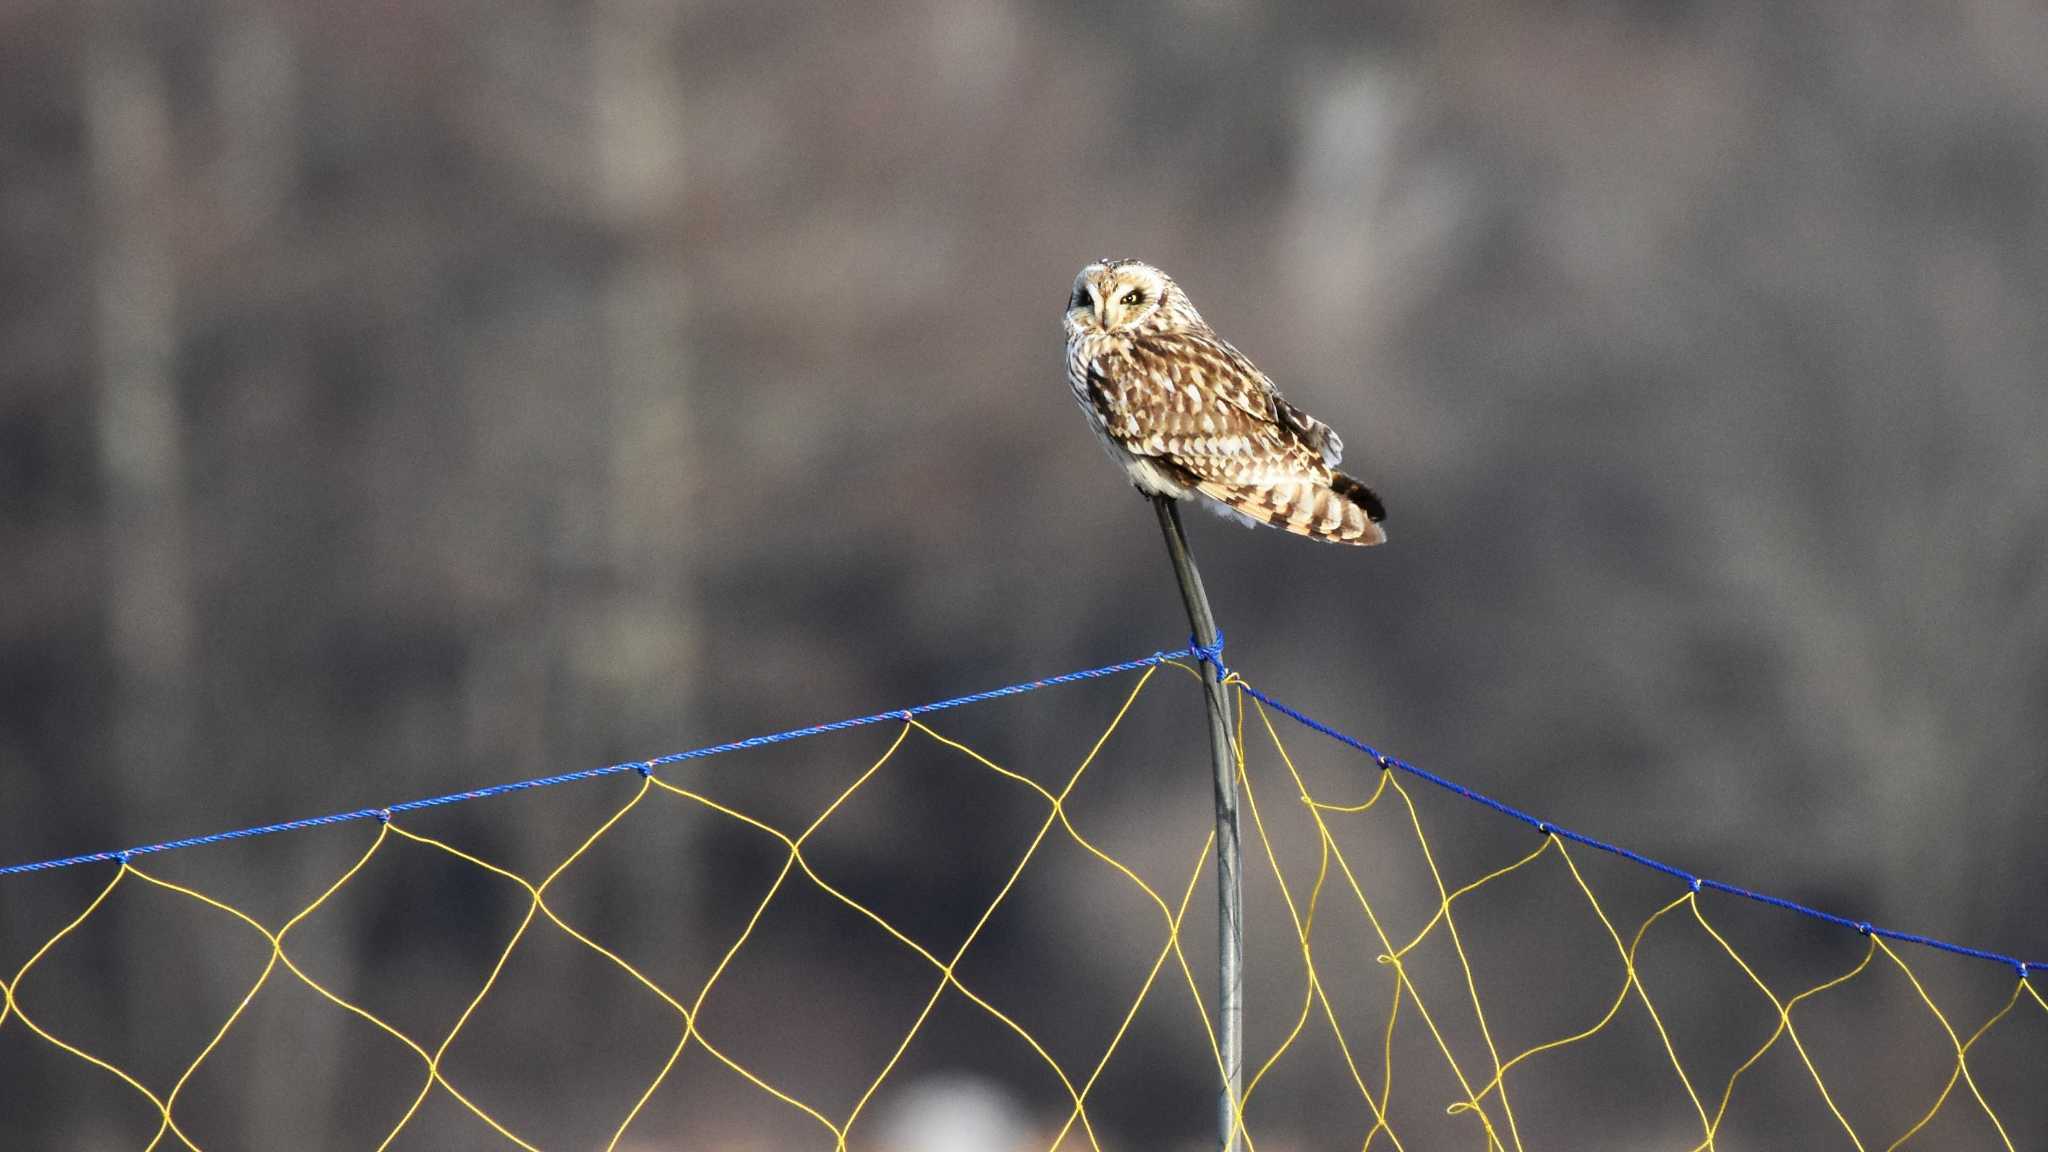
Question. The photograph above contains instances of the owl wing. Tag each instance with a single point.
(1318, 435)
(1211, 363)
(1198, 406)
(1197, 416)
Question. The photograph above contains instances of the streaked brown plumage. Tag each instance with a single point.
(1187, 415)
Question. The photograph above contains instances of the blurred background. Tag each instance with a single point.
(398, 398)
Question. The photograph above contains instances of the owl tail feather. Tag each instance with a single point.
(1367, 500)
(1342, 511)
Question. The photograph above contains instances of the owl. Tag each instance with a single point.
(1187, 415)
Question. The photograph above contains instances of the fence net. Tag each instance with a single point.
(1386, 1012)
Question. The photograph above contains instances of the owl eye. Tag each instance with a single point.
(1133, 298)
(1080, 299)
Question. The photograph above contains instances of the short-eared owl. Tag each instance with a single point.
(1188, 415)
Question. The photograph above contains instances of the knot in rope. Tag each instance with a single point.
(1208, 653)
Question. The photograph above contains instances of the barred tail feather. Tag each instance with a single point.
(1343, 511)
(1367, 500)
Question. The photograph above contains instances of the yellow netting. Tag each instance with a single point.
(1484, 1073)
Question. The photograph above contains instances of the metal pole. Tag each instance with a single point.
(1229, 874)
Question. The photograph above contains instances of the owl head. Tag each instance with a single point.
(1128, 296)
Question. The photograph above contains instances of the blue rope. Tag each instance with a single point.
(643, 767)
(1696, 883)
(1212, 654)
